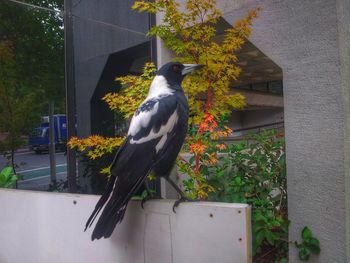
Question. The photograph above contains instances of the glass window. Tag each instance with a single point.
(276, 87)
(260, 86)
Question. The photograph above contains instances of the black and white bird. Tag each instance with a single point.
(155, 136)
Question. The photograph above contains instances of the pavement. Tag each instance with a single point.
(40, 183)
(34, 169)
(22, 150)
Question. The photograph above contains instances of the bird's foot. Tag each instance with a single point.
(147, 198)
(181, 200)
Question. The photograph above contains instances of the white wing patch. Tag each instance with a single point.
(161, 143)
(164, 130)
(142, 120)
(159, 88)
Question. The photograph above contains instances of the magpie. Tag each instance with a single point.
(156, 133)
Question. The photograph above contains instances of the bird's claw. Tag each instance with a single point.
(181, 200)
(147, 198)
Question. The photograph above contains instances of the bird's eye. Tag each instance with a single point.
(176, 68)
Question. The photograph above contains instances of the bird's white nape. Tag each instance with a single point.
(159, 86)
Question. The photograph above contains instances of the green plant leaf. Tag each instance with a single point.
(314, 246)
(306, 234)
(238, 180)
(7, 178)
(271, 237)
(258, 239)
(283, 260)
(7, 171)
(304, 254)
(297, 245)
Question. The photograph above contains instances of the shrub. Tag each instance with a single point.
(252, 172)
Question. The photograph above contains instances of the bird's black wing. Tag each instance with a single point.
(151, 124)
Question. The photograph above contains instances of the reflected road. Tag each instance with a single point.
(35, 170)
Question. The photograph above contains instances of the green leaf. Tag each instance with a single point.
(298, 245)
(258, 239)
(304, 254)
(271, 237)
(191, 160)
(314, 246)
(283, 260)
(7, 171)
(221, 173)
(257, 216)
(144, 194)
(306, 234)
(238, 180)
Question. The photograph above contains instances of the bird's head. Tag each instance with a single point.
(174, 72)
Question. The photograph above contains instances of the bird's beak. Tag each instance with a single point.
(189, 68)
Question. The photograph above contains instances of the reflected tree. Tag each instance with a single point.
(32, 68)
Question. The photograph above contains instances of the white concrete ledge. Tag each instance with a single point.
(48, 227)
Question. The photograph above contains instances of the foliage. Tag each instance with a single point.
(96, 155)
(31, 68)
(134, 90)
(38, 48)
(99, 145)
(203, 144)
(191, 35)
(16, 109)
(97, 172)
(7, 178)
(310, 245)
(251, 172)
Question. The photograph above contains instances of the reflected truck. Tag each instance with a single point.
(39, 137)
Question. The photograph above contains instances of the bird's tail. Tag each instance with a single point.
(114, 211)
(101, 202)
(110, 217)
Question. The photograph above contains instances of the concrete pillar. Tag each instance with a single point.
(310, 40)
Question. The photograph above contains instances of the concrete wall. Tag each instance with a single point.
(39, 227)
(310, 42)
